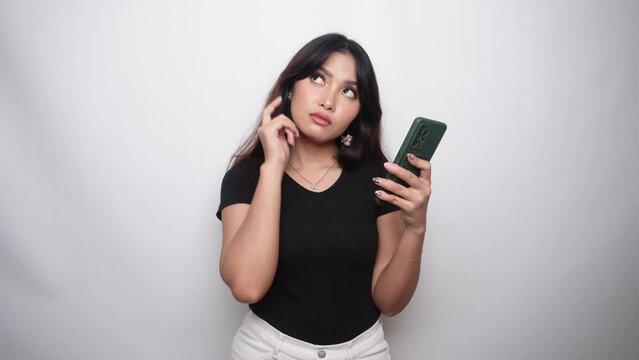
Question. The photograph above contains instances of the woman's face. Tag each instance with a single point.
(326, 102)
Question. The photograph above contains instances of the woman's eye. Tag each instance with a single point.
(350, 93)
(318, 79)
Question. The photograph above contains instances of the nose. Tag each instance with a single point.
(327, 101)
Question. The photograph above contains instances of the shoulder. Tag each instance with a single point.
(246, 169)
(242, 177)
(370, 168)
(362, 173)
(239, 184)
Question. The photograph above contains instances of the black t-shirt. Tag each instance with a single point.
(321, 292)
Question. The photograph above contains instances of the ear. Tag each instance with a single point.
(285, 107)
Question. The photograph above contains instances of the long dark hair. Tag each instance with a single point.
(365, 128)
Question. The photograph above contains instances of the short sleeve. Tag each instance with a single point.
(238, 185)
(386, 208)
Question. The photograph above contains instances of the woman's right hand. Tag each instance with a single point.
(276, 135)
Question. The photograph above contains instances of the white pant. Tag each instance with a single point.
(258, 340)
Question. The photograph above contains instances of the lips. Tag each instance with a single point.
(320, 119)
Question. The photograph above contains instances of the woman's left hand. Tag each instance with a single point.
(413, 200)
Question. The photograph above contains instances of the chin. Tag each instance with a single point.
(320, 140)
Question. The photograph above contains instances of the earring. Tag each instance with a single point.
(290, 95)
(347, 139)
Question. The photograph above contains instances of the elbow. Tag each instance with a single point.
(246, 286)
(246, 294)
(244, 291)
(390, 311)
(388, 307)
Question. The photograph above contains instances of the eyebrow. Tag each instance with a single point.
(328, 73)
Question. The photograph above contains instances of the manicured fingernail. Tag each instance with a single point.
(410, 156)
(377, 180)
(388, 165)
(378, 193)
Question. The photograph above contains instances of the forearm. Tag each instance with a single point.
(249, 262)
(398, 281)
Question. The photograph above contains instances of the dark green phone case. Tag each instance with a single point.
(422, 140)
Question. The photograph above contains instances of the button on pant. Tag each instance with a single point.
(258, 340)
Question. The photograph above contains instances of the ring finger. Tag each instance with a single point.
(392, 199)
(393, 187)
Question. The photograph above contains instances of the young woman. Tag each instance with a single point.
(305, 244)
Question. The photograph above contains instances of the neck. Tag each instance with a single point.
(307, 154)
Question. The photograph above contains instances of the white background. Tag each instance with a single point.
(118, 119)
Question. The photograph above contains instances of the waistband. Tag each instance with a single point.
(303, 349)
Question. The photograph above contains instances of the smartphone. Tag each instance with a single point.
(422, 140)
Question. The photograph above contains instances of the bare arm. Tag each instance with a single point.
(401, 237)
(397, 267)
(251, 239)
(250, 247)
